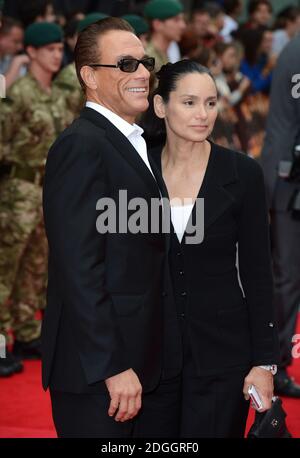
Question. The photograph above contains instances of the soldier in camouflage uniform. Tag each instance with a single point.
(166, 25)
(32, 115)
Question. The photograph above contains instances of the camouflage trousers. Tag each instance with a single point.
(23, 259)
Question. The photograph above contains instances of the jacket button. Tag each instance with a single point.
(183, 294)
(179, 253)
(181, 272)
(271, 325)
(164, 294)
(182, 315)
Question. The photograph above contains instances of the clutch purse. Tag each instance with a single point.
(270, 424)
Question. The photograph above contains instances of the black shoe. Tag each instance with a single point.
(28, 350)
(284, 385)
(10, 365)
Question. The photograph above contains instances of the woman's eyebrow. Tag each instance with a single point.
(212, 97)
(189, 95)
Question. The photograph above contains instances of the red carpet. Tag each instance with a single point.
(25, 409)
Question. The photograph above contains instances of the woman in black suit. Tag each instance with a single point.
(226, 314)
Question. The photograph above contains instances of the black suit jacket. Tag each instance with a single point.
(104, 302)
(229, 326)
(283, 126)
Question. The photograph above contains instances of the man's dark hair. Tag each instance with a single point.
(230, 6)
(9, 23)
(199, 10)
(87, 50)
(214, 9)
(71, 28)
(288, 14)
(29, 10)
(255, 4)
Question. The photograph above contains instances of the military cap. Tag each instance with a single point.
(162, 9)
(90, 19)
(138, 23)
(42, 34)
(1, 5)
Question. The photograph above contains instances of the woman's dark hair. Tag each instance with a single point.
(168, 77)
(252, 40)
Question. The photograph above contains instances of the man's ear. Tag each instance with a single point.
(31, 51)
(88, 76)
(157, 25)
(159, 106)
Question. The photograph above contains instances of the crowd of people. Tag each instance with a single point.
(43, 94)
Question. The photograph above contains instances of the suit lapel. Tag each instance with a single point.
(164, 194)
(124, 147)
(221, 171)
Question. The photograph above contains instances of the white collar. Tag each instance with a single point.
(125, 127)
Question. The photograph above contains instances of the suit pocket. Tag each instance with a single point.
(127, 305)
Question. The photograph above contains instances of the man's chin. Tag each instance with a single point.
(54, 69)
(141, 107)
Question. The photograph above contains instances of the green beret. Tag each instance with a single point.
(42, 34)
(162, 9)
(90, 19)
(139, 24)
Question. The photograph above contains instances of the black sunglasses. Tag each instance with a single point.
(130, 65)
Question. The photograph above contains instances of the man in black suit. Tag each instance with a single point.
(103, 328)
(282, 138)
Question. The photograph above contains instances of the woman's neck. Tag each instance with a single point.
(177, 153)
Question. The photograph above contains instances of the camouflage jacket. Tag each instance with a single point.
(160, 57)
(67, 81)
(31, 119)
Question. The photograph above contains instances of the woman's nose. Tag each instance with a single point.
(201, 113)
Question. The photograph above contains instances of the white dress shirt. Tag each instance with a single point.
(173, 52)
(132, 132)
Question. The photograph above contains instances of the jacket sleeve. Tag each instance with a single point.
(74, 181)
(255, 266)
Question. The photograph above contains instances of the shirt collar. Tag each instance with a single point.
(125, 127)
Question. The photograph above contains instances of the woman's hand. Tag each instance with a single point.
(263, 382)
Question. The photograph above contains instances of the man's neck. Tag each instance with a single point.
(90, 97)
(160, 42)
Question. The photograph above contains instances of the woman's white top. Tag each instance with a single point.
(180, 215)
